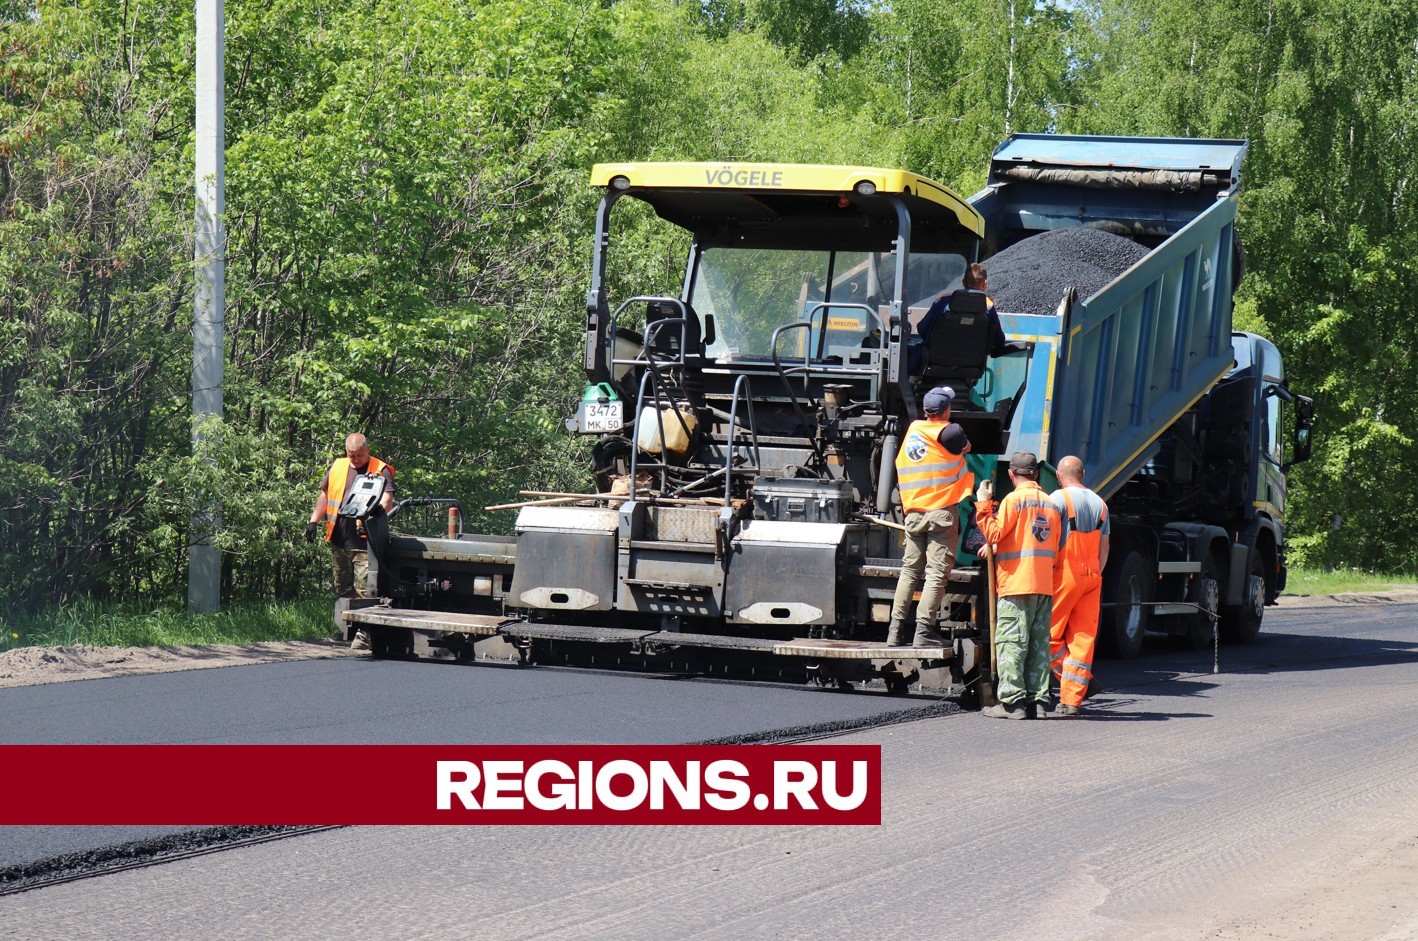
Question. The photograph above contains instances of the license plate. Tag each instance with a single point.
(602, 416)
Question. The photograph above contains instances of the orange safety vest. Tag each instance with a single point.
(1080, 552)
(928, 476)
(335, 487)
(1026, 537)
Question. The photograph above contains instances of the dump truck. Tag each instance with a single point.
(1183, 425)
(744, 518)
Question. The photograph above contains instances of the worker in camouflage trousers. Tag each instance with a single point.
(1026, 534)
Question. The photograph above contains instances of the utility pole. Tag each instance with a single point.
(204, 562)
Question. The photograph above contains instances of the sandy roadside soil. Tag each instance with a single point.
(1356, 884)
(33, 666)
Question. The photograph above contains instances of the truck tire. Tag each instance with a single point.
(1205, 591)
(1241, 625)
(1127, 589)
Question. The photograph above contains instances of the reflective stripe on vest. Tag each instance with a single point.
(335, 488)
(928, 476)
(1027, 533)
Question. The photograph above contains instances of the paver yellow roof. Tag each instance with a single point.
(697, 195)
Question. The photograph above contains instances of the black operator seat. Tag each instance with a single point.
(958, 347)
(666, 339)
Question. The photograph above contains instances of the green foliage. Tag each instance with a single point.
(1328, 96)
(808, 30)
(1338, 581)
(954, 80)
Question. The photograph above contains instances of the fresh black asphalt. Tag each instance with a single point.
(365, 701)
(357, 701)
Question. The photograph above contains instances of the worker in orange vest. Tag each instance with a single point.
(1026, 534)
(349, 547)
(932, 479)
(1078, 585)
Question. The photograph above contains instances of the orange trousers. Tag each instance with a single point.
(1073, 629)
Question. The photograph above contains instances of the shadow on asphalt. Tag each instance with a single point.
(1343, 639)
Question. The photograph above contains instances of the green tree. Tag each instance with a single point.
(807, 30)
(1326, 94)
(953, 81)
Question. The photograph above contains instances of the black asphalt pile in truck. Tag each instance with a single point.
(1031, 276)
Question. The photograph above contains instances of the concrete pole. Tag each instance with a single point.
(204, 569)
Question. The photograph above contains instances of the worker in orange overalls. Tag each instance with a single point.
(1026, 536)
(1078, 585)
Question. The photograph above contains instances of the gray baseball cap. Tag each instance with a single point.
(938, 399)
(1024, 463)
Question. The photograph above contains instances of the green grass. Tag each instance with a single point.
(99, 624)
(1337, 581)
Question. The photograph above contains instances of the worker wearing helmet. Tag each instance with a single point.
(932, 478)
(1078, 585)
(1026, 535)
(349, 546)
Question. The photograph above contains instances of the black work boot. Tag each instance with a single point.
(928, 635)
(896, 634)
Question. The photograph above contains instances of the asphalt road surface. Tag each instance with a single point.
(1183, 795)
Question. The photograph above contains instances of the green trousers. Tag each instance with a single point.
(1022, 648)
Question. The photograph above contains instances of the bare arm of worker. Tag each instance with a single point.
(321, 504)
(387, 500)
(1103, 552)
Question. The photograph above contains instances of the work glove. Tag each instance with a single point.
(310, 530)
(985, 492)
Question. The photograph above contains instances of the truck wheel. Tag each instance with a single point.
(1124, 622)
(1241, 625)
(1205, 591)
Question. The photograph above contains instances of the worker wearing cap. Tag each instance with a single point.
(932, 478)
(1026, 533)
(1078, 584)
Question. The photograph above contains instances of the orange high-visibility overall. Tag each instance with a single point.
(1026, 535)
(1077, 593)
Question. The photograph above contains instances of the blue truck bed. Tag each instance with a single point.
(1112, 371)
